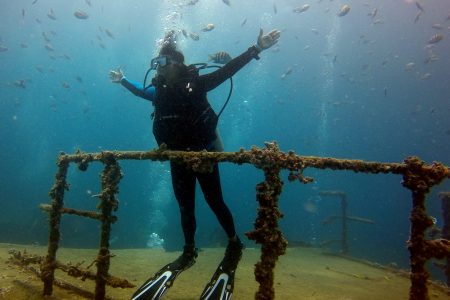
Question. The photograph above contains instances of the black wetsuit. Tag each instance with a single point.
(195, 131)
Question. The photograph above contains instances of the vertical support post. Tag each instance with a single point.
(445, 198)
(57, 194)
(266, 232)
(110, 176)
(344, 205)
(419, 179)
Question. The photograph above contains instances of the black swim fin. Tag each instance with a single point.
(155, 287)
(221, 285)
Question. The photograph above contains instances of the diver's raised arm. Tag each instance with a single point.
(264, 41)
(137, 89)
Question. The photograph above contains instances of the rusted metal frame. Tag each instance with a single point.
(445, 198)
(110, 177)
(77, 212)
(266, 159)
(57, 195)
(419, 180)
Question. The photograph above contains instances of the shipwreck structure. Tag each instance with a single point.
(418, 177)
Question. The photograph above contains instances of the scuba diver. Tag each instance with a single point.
(184, 120)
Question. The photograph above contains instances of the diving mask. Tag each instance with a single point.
(161, 61)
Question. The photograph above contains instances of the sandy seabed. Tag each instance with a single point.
(303, 273)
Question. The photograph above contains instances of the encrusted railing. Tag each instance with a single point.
(417, 177)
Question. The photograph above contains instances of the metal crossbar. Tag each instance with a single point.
(417, 177)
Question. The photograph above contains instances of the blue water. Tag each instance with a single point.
(351, 94)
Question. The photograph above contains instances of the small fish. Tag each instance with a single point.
(244, 22)
(227, 2)
(275, 10)
(23, 13)
(38, 21)
(184, 32)
(46, 38)
(208, 27)
(79, 79)
(437, 26)
(39, 69)
(88, 2)
(65, 85)
(431, 57)
(343, 10)
(374, 13)
(23, 45)
(192, 2)
(385, 91)
(3, 48)
(49, 47)
(220, 57)
(79, 14)
(51, 15)
(420, 7)
(409, 66)
(417, 17)
(34, 2)
(436, 38)
(425, 76)
(109, 33)
(286, 73)
(301, 9)
(194, 36)
(20, 83)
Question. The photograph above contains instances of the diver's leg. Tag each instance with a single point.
(183, 181)
(212, 190)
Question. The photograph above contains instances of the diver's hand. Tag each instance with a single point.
(265, 41)
(116, 75)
